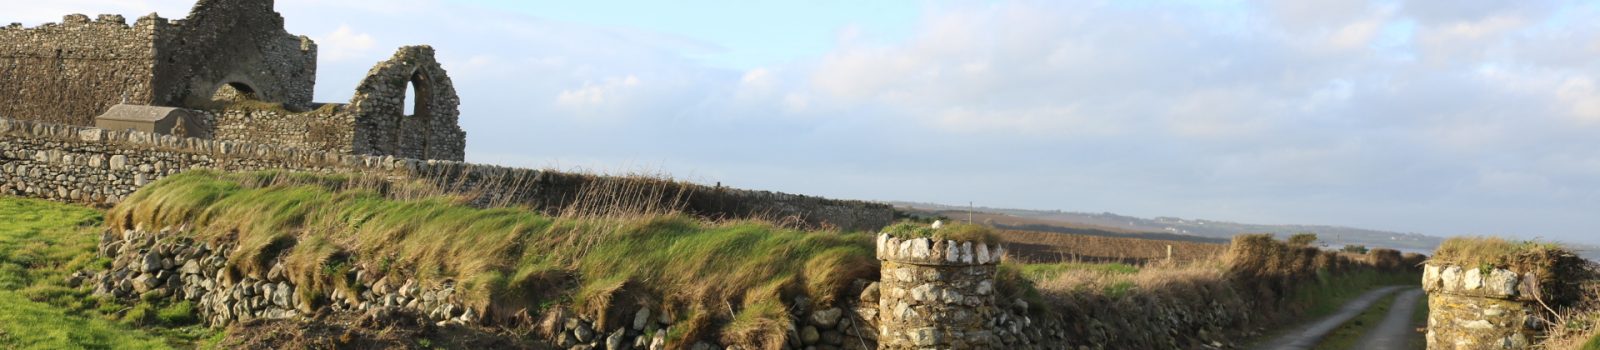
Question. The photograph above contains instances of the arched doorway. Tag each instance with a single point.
(416, 118)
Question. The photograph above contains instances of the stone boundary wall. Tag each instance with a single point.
(166, 264)
(1472, 308)
(326, 128)
(101, 167)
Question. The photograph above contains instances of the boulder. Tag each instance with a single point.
(641, 319)
(826, 318)
(809, 335)
(615, 341)
(150, 263)
(583, 332)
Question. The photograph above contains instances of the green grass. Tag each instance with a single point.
(955, 232)
(1593, 343)
(1346, 336)
(40, 244)
(26, 324)
(508, 258)
(1329, 292)
(1042, 272)
(1419, 319)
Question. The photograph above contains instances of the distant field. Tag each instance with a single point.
(1042, 247)
(1012, 222)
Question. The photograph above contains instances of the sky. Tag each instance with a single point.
(1447, 118)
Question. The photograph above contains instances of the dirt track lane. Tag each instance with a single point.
(1309, 335)
(1395, 332)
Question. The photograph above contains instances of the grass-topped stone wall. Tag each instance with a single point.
(1490, 293)
(335, 244)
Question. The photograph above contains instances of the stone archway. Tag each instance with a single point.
(234, 91)
(420, 124)
(416, 125)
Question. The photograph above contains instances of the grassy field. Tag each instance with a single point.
(40, 244)
(1047, 247)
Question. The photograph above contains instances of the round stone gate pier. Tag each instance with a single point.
(937, 294)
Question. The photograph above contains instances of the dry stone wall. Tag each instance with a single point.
(1473, 308)
(327, 128)
(100, 167)
(169, 264)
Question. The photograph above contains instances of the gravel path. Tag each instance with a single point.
(1308, 335)
(1395, 332)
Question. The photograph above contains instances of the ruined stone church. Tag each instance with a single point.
(228, 72)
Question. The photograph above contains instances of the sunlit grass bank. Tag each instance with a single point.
(508, 261)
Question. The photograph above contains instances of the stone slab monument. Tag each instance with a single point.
(157, 120)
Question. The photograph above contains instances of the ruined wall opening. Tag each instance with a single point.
(235, 92)
(416, 121)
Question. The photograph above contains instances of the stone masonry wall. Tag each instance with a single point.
(100, 167)
(224, 55)
(327, 128)
(71, 71)
(1472, 308)
(233, 42)
(168, 264)
(432, 131)
(937, 295)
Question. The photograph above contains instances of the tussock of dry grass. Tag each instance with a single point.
(607, 257)
(1577, 325)
(1494, 252)
(960, 232)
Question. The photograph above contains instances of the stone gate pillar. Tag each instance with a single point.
(1473, 308)
(937, 294)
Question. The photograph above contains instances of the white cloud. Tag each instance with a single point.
(1357, 34)
(1466, 41)
(757, 83)
(1220, 113)
(593, 95)
(344, 44)
(1582, 99)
